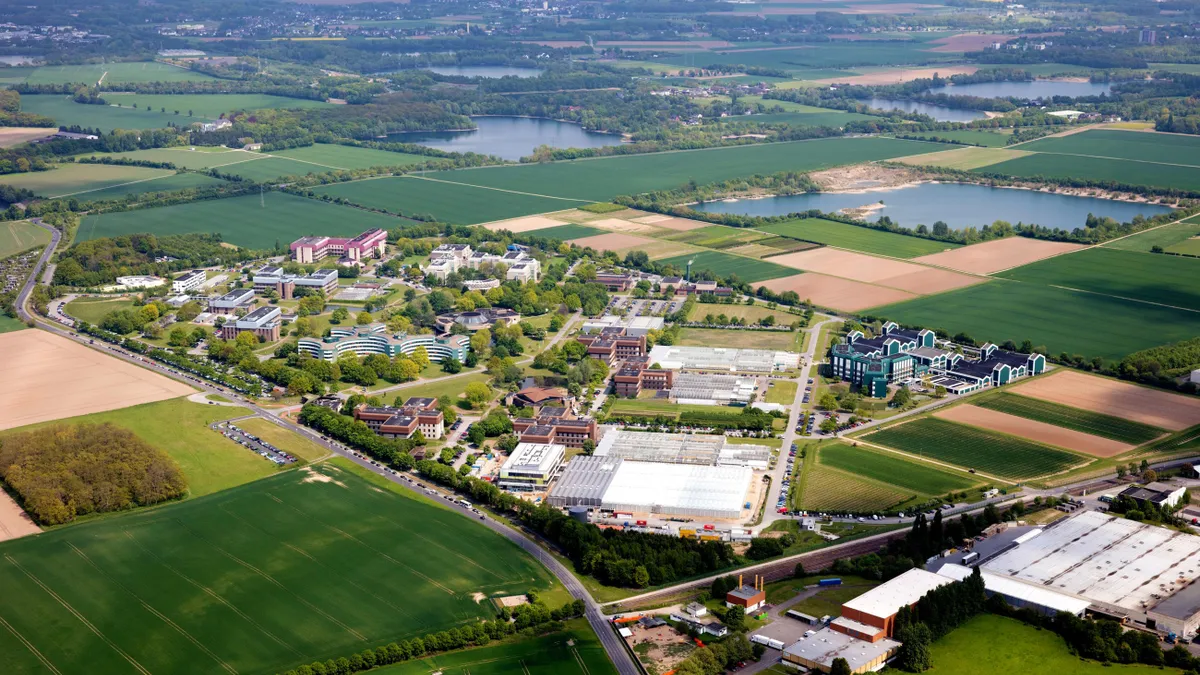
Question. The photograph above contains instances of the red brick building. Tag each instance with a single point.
(613, 344)
(417, 414)
(636, 374)
(560, 430)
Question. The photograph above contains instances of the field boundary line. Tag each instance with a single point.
(82, 619)
(367, 546)
(307, 161)
(114, 185)
(275, 582)
(213, 594)
(579, 659)
(935, 462)
(29, 645)
(145, 605)
(1115, 159)
(307, 555)
(439, 545)
(1121, 297)
(515, 192)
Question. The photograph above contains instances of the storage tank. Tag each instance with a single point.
(579, 513)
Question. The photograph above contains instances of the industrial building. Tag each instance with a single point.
(723, 359)
(1161, 495)
(653, 487)
(264, 322)
(369, 244)
(530, 466)
(1121, 567)
(696, 449)
(1019, 594)
(749, 598)
(187, 281)
(635, 326)
(818, 651)
(374, 339)
(695, 388)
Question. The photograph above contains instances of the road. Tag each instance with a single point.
(55, 237)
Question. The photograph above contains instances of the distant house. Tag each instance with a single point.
(206, 127)
(1162, 495)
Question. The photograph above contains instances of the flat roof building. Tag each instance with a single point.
(723, 359)
(369, 244)
(697, 449)
(818, 651)
(713, 389)
(749, 598)
(187, 281)
(678, 489)
(877, 608)
(1019, 594)
(231, 301)
(552, 428)
(1161, 495)
(375, 339)
(272, 278)
(264, 322)
(477, 319)
(417, 414)
(530, 466)
(612, 344)
(634, 326)
(584, 482)
(635, 374)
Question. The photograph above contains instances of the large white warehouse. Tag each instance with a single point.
(653, 487)
(723, 359)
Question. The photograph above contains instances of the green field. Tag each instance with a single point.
(832, 118)
(565, 232)
(575, 651)
(93, 310)
(181, 181)
(1098, 169)
(741, 339)
(140, 71)
(188, 157)
(985, 138)
(1140, 146)
(751, 313)
(179, 427)
(604, 178)
(725, 264)
(9, 324)
(855, 238)
(75, 179)
(446, 202)
(1098, 424)
(1186, 247)
(1165, 236)
(21, 235)
(827, 489)
(208, 106)
(888, 468)
(994, 645)
(1048, 316)
(305, 565)
(969, 447)
(1166, 280)
(268, 169)
(67, 112)
(347, 157)
(717, 236)
(241, 220)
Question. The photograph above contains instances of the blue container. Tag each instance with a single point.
(829, 582)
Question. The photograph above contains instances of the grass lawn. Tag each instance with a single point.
(889, 468)
(656, 406)
(1050, 317)
(782, 392)
(726, 265)
(1086, 421)
(750, 313)
(9, 324)
(179, 427)
(303, 566)
(347, 157)
(996, 645)
(21, 235)
(93, 310)
(742, 339)
(284, 439)
(1165, 236)
(829, 601)
(1168, 280)
(447, 202)
(855, 238)
(243, 220)
(782, 591)
(574, 651)
(452, 387)
(72, 179)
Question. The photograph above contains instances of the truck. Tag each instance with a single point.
(970, 558)
(760, 639)
(830, 582)
(775, 644)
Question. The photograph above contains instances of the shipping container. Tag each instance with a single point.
(775, 644)
(829, 582)
(684, 532)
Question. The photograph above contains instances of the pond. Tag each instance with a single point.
(486, 71)
(509, 137)
(956, 204)
(1030, 89)
(938, 112)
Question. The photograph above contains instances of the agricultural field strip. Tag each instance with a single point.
(1077, 419)
(484, 187)
(109, 187)
(870, 464)
(928, 460)
(1119, 159)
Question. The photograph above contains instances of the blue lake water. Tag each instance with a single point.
(1034, 89)
(485, 71)
(938, 112)
(957, 205)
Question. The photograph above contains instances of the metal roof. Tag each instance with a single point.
(887, 598)
(1013, 588)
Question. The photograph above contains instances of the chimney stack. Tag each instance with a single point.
(739, 581)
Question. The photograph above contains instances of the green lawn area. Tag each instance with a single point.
(1086, 421)
(743, 339)
(829, 601)
(93, 310)
(988, 451)
(1165, 236)
(179, 427)
(74, 179)
(1167, 280)
(243, 221)
(996, 645)
(347, 157)
(782, 392)
(131, 71)
(1050, 317)
(9, 324)
(750, 313)
(655, 406)
(452, 387)
(855, 238)
(447, 202)
(21, 235)
(604, 178)
(306, 565)
(574, 651)
(284, 439)
(782, 591)
(888, 468)
(725, 265)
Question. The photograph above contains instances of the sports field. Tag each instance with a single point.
(139, 71)
(347, 157)
(1165, 280)
(196, 107)
(1086, 421)
(972, 448)
(574, 651)
(604, 178)
(20, 235)
(244, 220)
(1048, 316)
(446, 202)
(855, 238)
(888, 468)
(1127, 172)
(171, 183)
(724, 265)
(1139, 146)
(302, 566)
(75, 179)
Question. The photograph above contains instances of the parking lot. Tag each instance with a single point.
(253, 443)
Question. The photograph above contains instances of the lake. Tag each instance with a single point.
(958, 205)
(509, 137)
(485, 71)
(1033, 89)
(938, 112)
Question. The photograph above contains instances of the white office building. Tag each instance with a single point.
(531, 466)
(187, 281)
